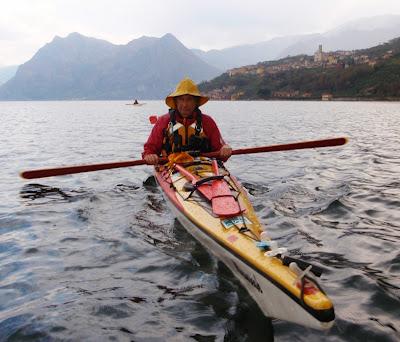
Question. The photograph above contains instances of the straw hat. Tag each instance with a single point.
(185, 87)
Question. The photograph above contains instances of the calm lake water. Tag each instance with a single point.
(98, 256)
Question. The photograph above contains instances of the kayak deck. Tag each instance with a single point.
(236, 238)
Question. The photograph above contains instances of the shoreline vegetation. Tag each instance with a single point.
(360, 75)
(335, 99)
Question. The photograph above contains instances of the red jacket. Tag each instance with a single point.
(155, 140)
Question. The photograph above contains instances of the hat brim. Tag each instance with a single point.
(169, 100)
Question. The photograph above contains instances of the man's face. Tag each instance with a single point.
(186, 104)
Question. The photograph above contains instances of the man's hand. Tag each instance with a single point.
(151, 159)
(225, 152)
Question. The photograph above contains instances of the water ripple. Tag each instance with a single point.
(99, 255)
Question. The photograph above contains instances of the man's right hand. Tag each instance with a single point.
(151, 159)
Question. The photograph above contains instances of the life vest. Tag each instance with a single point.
(178, 138)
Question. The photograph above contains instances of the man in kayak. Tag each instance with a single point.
(185, 127)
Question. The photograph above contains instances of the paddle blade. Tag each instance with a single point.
(223, 203)
(67, 170)
(204, 189)
(285, 147)
(293, 146)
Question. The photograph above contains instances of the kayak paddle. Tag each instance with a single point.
(67, 170)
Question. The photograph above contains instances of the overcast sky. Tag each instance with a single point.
(26, 25)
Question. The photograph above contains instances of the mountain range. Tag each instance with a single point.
(79, 67)
(7, 73)
(358, 34)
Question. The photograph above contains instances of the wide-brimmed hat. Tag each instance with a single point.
(185, 87)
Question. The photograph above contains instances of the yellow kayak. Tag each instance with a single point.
(214, 207)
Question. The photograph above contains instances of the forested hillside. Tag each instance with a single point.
(370, 74)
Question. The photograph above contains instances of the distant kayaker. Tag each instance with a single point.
(136, 102)
(185, 127)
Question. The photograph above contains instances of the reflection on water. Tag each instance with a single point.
(98, 255)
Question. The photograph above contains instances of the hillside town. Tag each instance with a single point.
(320, 60)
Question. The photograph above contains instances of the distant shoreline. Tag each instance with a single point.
(336, 99)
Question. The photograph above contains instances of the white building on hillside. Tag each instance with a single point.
(319, 56)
